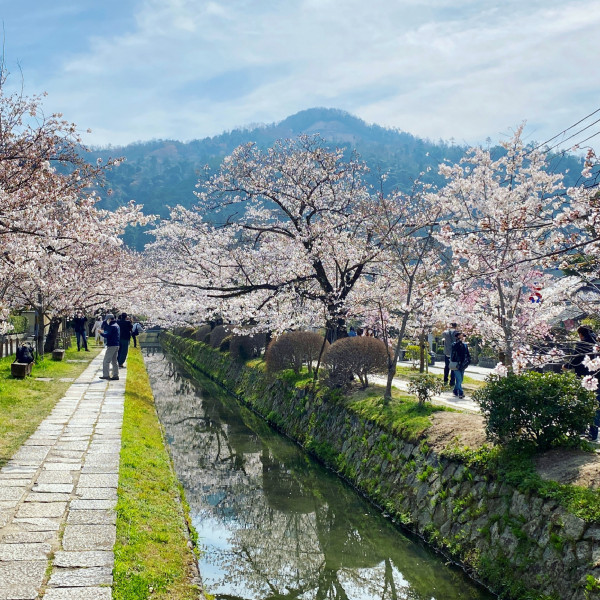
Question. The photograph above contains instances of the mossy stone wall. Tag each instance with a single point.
(520, 546)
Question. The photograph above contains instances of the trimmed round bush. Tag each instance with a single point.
(244, 347)
(217, 335)
(292, 350)
(355, 356)
(545, 409)
(201, 333)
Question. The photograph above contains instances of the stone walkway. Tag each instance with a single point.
(58, 495)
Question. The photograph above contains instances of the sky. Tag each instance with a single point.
(461, 70)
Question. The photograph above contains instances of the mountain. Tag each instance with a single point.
(164, 173)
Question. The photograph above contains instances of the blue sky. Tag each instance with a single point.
(183, 69)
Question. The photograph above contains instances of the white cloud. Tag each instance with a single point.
(466, 69)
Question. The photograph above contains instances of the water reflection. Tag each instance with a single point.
(274, 524)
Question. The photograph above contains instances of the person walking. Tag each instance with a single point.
(137, 329)
(80, 326)
(448, 337)
(96, 329)
(462, 357)
(111, 333)
(126, 327)
(586, 347)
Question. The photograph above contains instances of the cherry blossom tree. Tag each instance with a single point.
(408, 279)
(49, 219)
(501, 228)
(297, 234)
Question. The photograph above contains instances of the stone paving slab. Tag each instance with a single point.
(92, 517)
(38, 524)
(18, 592)
(58, 495)
(89, 593)
(90, 558)
(97, 494)
(102, 481)
(26, 537)
(94, 504)
(81, 577)
(41, 509)
(35, 496)
(24, 551)
(55, 477)
(88, 537)
(25, 574)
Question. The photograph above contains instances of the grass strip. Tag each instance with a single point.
(25, 403)
(403, 416)
(152, 556)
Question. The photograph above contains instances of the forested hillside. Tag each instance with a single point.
(164, 173)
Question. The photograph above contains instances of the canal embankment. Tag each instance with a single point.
(523, 536)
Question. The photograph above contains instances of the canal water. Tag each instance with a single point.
(273, 523)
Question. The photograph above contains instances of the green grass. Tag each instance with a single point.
(408, 373)
(152, 558)
(25, 403)
(402, 416)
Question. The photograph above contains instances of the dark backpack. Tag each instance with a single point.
(25, 354)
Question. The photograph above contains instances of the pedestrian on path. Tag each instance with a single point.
(586, 346)
(137, 329)
(111, 334)
(80, 326)
(126, 327)
(96, 329)
(462, 358)
(449, 339)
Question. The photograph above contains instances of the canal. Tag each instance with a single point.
(273, 523)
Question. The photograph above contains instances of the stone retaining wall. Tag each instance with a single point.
(521, 546)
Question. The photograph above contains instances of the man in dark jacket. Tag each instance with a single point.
(448, 337)
(126, 327)
(462, 357)
(79, 324)
(110, 332)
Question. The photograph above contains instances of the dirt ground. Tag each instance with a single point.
(563, 465)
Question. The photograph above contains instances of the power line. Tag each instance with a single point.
(567, 129)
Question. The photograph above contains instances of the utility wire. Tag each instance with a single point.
(567, 129)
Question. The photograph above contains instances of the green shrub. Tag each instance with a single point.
(19, 323)
(425, 386)
(413, 352)
(543, 408)
(358, 356)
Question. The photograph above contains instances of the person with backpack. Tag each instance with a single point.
(125, 327)
(111, 333)
(460, 359)
(137, 329)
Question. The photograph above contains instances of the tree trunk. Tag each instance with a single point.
(52, 335)
(336, 329)
(393, 361)
(39, 328)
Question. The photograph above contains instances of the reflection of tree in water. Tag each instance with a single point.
(291, 530)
